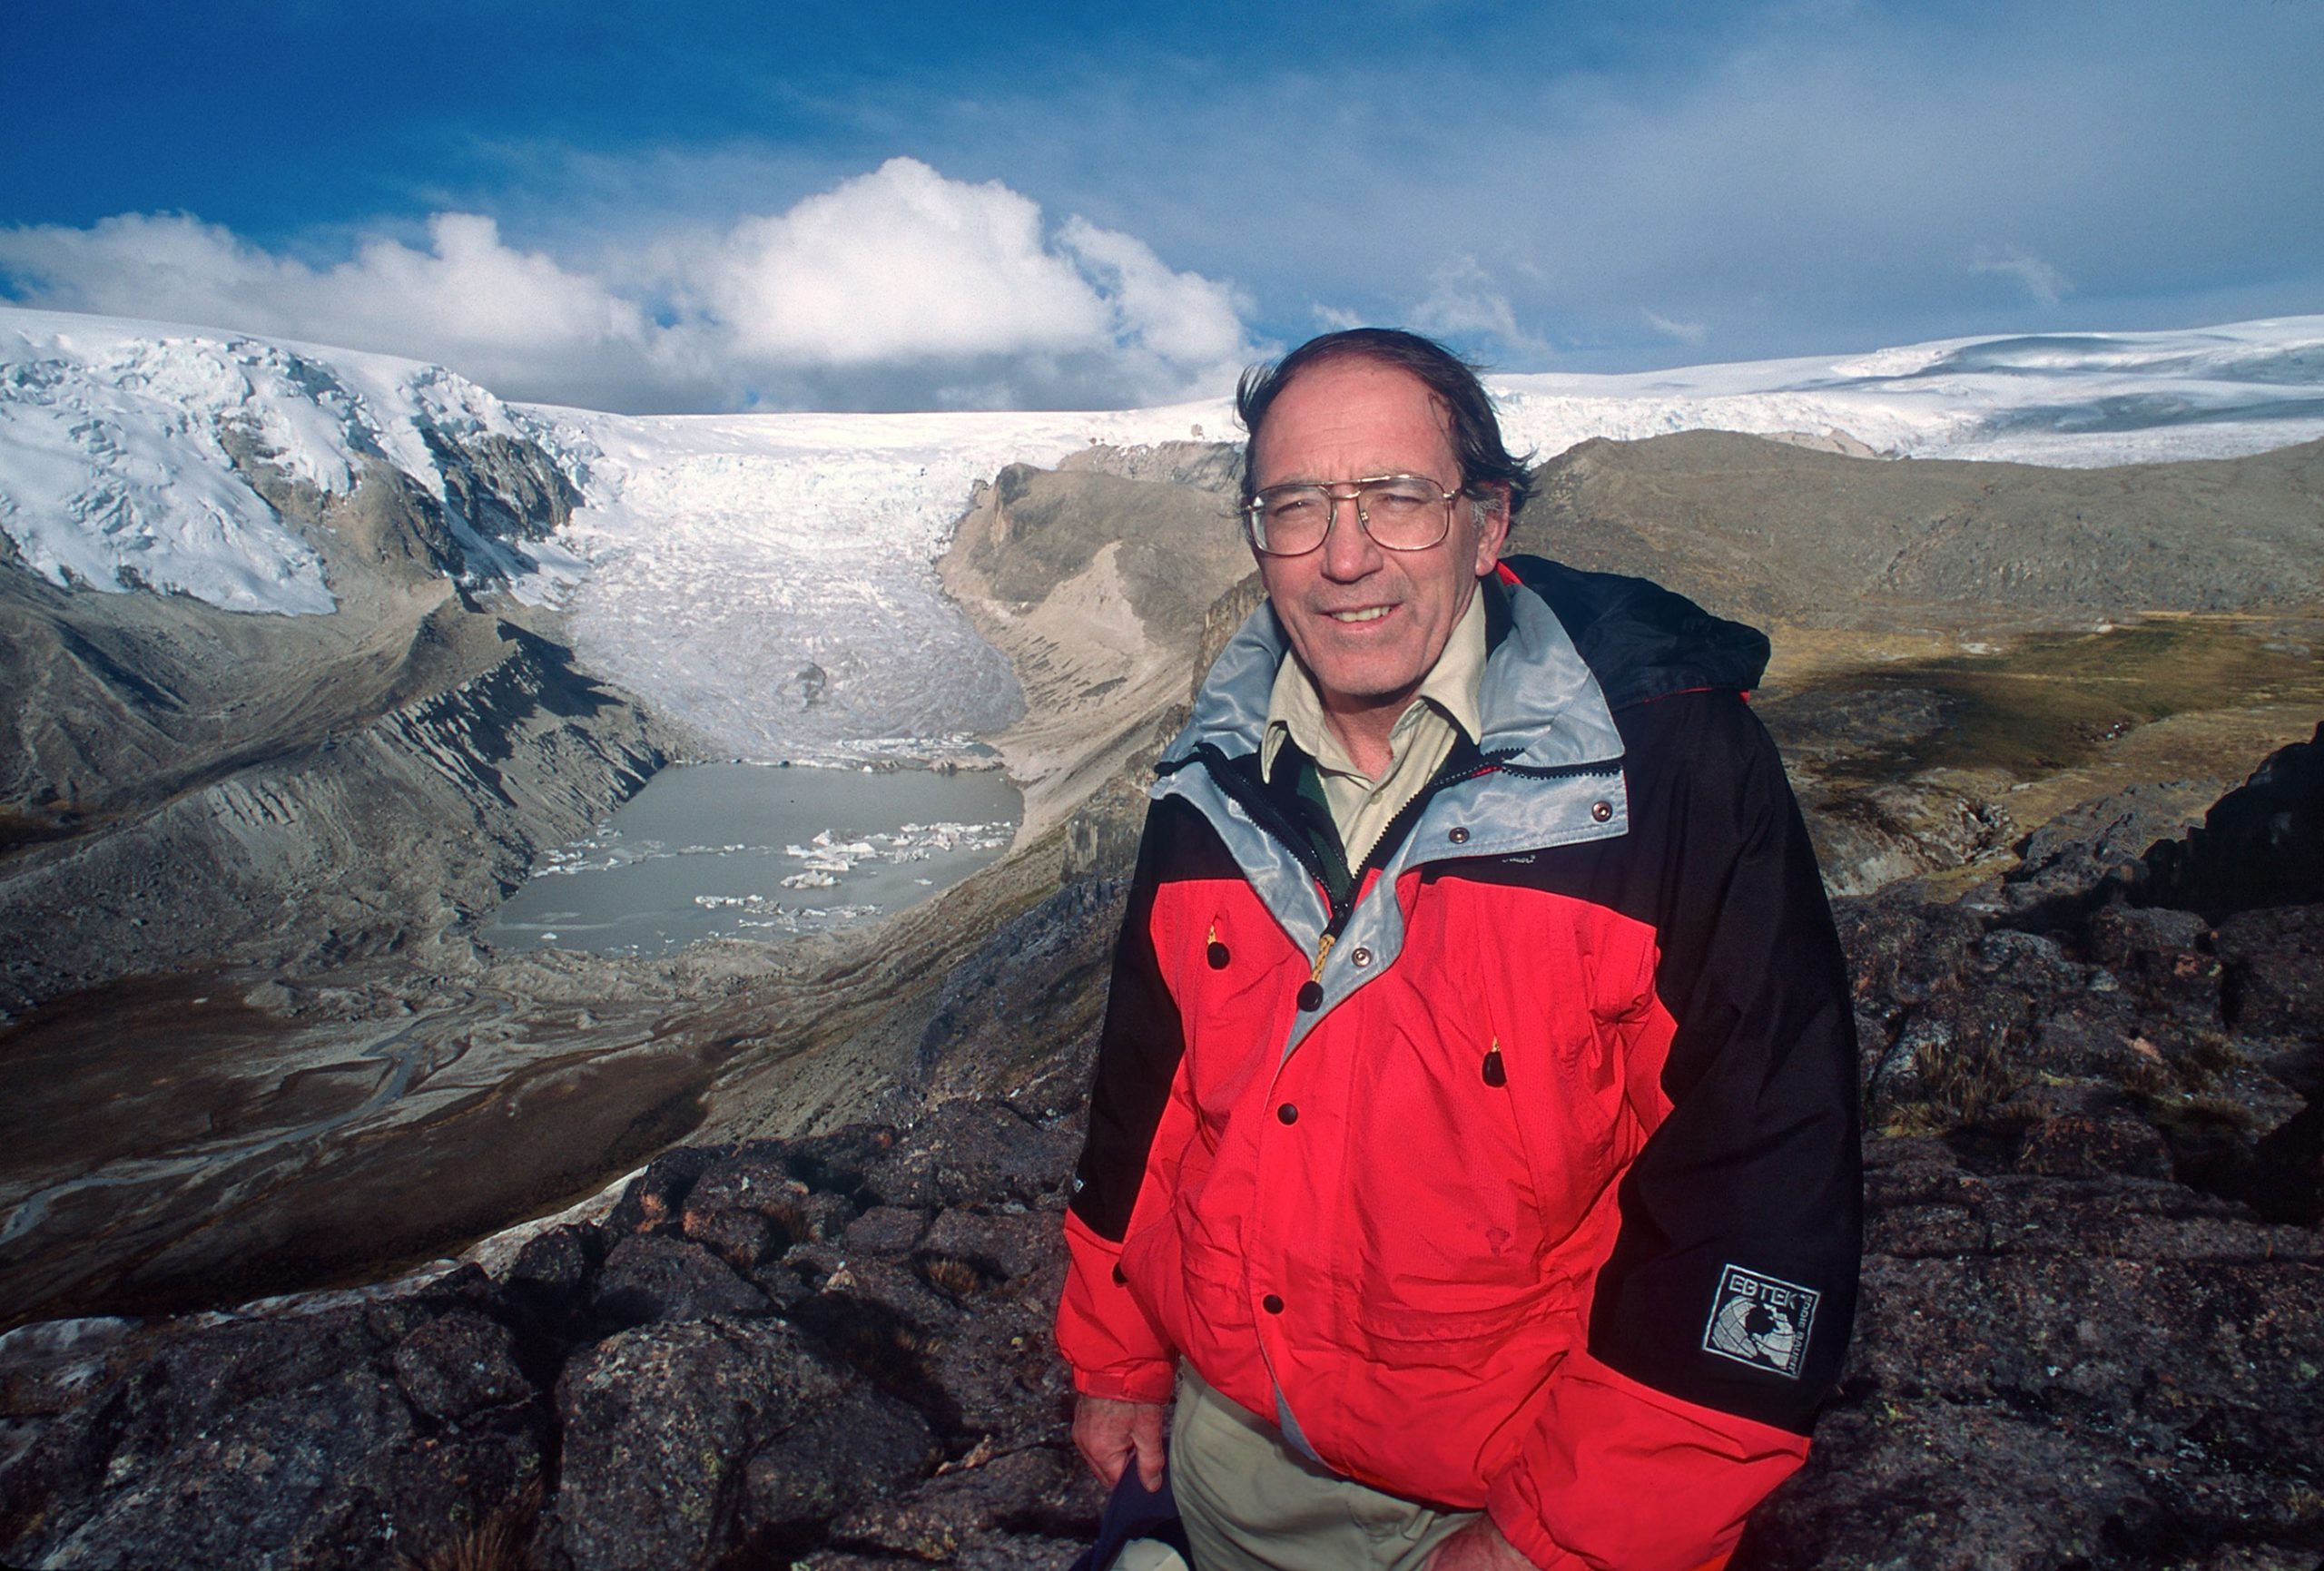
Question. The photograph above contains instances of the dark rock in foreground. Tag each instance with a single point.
(836, 1344)
(2092, 1333)
(2060, 1371)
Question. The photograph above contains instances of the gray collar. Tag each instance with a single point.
(1541, 707)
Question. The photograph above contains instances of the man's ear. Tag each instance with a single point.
(1492, 531)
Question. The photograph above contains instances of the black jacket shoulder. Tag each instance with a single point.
(1641, 640)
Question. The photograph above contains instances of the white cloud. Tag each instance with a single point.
(2043, 284)
(515, 320)
(896, 288)
(1684, 332)
(896, 265)
(1183, 319)
(1464, 301)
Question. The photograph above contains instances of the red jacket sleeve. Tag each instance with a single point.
(1112, 1348)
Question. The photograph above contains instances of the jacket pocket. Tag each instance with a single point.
(1440, 1330)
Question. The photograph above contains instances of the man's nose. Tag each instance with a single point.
(1349, 550)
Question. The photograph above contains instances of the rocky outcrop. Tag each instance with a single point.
(2262, 845)
(834, 1348)
(1095, 585)
(2094, 1278)
(2094, 1290)
(2066, 1360)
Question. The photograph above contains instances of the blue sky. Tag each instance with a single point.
(869, 205)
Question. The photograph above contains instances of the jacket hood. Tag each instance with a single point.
(1644, 642)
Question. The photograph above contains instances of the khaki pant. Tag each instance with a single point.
(1250, 1503)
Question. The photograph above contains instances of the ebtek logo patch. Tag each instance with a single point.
(1758, 1320)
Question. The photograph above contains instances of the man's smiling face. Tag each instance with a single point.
(1368, 623)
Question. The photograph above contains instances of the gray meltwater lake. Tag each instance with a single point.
(740, 850)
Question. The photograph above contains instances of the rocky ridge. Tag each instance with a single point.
(1770, 531)
(1094, 578)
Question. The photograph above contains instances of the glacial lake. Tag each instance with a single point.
(743, 850)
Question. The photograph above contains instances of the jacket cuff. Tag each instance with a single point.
(1103, 1330)
(1616, 1473)
(1156, 1383)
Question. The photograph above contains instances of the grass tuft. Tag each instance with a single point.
(498, 1542)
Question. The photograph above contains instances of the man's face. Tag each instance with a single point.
(1368, 623)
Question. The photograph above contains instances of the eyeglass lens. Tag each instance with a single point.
(1400, 512)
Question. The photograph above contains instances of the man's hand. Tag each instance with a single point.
(1479, 1546)
(1110, 1435)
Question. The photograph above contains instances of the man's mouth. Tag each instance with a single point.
(1368, 613)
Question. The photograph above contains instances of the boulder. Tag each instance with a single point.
(282, 1440)
(973, 1151)
(457, 1366)
(667, 1430)
(652, 1278)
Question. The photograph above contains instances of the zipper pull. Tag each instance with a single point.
(1495, 1076)
(1311, 991)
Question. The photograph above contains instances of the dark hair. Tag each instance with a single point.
(1451, 380)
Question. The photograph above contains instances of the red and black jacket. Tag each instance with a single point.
(1517, 1168)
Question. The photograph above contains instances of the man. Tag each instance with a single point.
(1474, 1146)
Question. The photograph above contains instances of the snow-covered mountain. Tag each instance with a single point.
(768, 579)
(120, 441)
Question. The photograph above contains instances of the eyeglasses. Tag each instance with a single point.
(1398, 512)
